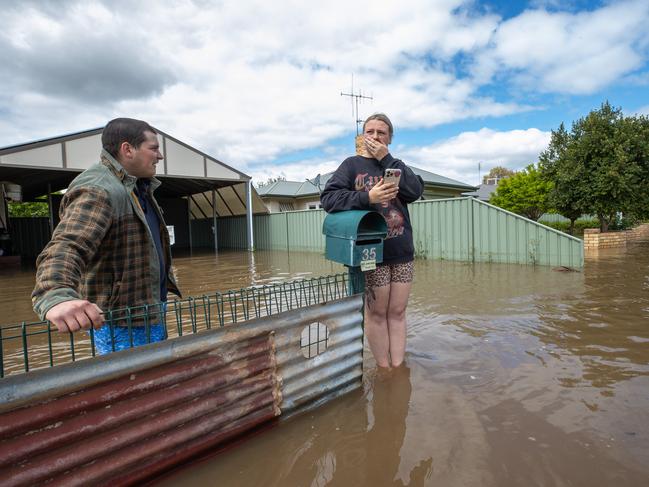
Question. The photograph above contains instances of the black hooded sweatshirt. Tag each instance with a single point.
(348, 189)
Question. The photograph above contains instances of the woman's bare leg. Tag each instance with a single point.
(399, 294)
(376, 325)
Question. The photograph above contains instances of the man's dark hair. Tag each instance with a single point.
(122, 130)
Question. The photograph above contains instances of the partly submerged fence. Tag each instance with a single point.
(460, 229)
(31, 345)
(124, 418)
(470, 230)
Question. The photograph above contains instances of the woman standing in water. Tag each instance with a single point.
(358, 184)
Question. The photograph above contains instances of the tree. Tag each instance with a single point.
(271, 181)
(499, 172)
(601, 166)
(636, 154)
(525, 193)
(29, 210)
(565, 172)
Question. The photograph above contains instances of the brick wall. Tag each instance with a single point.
(594, 239)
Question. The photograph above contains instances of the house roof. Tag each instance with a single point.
(288, 188)
(309, 187)
(483, 192)
(53, 163)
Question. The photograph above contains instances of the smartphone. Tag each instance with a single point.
(392, 175)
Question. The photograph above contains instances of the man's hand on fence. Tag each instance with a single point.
(75, 315)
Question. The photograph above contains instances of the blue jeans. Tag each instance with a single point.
(121, 336)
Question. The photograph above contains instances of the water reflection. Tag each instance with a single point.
(516, 375)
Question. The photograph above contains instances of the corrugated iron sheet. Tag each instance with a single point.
(125, 417)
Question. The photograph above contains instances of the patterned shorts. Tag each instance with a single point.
(384, 274)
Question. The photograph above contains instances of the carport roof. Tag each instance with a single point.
(35, 179)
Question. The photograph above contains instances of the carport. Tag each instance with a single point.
(195, 186)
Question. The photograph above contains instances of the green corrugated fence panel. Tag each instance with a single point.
(277, 231)
(261, 232)
(467, 229)
(555, 217)
(29, 235)
(305, 230)
(502, 236)
(460, 229)
(441, 229)
(231, 233)
(202, 235)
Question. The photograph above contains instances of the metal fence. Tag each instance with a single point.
(27, 346)
(124, 418)
(459, 229)
(470, 230)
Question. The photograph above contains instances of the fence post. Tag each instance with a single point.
(471, 230)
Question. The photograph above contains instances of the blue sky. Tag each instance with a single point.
(257, 84)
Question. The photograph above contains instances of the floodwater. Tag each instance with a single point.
(515, 376)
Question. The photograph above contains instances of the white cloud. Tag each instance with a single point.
(458, 157)
(244, 81)
(643, 110)
(569, 53)
(295, 171)
(252, 82)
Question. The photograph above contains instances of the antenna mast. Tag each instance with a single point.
(354, 99)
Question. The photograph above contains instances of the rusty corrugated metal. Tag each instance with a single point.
(137, 420)
(125, 417)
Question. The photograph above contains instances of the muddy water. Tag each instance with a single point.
(515, 376)
(197, 274)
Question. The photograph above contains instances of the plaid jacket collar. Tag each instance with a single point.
(120, 173)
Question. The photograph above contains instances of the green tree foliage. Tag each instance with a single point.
(28, 210)
(600, 167)
(271, 181)
(525, 193)
(499, 172)
(557, 166)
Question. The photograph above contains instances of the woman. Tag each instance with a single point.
(358, 185)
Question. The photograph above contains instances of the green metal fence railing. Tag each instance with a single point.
(27, 346)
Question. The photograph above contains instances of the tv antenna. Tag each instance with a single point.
(355, 97)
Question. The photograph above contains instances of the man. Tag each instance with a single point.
(110, 250)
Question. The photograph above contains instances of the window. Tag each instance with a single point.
(283, 206)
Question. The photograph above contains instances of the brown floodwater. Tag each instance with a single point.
(515, 376)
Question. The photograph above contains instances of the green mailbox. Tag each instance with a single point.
(355, 238)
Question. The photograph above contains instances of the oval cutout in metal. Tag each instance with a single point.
(314, 339)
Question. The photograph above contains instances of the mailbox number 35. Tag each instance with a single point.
(369, 254)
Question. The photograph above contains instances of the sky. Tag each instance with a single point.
(468, 85)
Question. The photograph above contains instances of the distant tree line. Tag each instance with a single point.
(270, 181)
(600, 167)
(28, 210)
